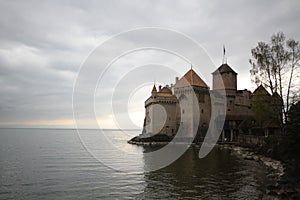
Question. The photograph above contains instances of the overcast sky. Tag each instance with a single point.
(44, 43)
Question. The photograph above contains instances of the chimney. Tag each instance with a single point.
(176, 79)
(159, 88)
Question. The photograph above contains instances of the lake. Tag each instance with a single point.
(54, 164)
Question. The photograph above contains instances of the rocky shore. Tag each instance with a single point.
(148, 141)
(284, 187)
(283, 176)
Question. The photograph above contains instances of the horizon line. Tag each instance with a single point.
(127, 129)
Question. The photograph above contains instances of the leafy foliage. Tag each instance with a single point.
(275, 65)
(286, 148)
(290, 143)
(262, 110)
(246, 126)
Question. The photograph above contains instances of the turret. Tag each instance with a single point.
(227, 75)
(154, 91)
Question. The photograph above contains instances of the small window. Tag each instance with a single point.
(202, 111)
(182, 111)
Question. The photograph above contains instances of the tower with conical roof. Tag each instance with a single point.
(160, 118)
(224, 78)
(192, 88)
(191, 78)
(154, 91)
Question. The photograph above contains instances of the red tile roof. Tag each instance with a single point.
(191, 78)
(165, 92)
(154, 89)
(223, 69)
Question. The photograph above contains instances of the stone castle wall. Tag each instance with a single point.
(169, 108)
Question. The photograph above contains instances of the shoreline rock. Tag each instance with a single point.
(275, 172)
(282, 186)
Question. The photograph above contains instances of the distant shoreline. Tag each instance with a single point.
(71, 128)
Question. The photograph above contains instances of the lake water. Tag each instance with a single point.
(53, 164)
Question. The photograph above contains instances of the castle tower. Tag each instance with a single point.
(228, 76)
(184, 89)
(154, 91)
(160, 116)
(225, 78)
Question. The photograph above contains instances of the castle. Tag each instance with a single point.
(166, 112)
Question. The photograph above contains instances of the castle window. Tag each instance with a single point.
(202, 111)
(182, 111)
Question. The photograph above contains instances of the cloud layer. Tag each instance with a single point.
(43, 44)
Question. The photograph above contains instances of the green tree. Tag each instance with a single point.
(246, 126)
(289, 148)
(262, 110)
(275, 65)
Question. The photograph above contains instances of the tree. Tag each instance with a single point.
(294, 56)
(289, 147)
(262, 110)
(293, 123)
(275, 65)
(246, 126)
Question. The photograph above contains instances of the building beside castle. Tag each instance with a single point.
(167, 111)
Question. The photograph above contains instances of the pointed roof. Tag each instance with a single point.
(276, 97)
(261, 90)
(224, 68)
(191, 78)
(154, 89)
(165, 92)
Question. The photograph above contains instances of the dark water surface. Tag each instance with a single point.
(53, 164)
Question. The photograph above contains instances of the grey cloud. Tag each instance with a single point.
(43, 43)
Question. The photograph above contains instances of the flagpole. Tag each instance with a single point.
(224, 52)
